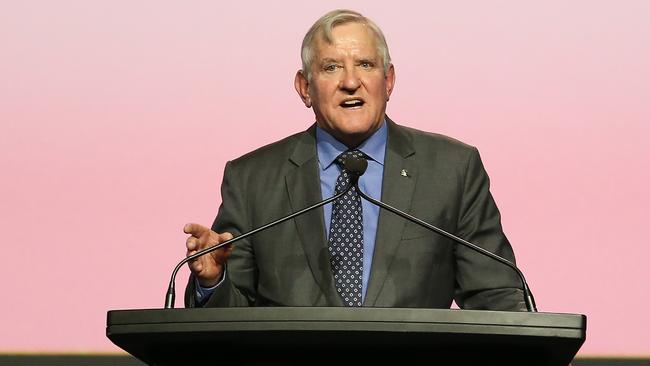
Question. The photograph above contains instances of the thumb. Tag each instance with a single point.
(224, 236)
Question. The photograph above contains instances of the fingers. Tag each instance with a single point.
(207, 268)
(204, 267)
(192, 243)
(196, 265)
(221, 256)
(202, 237)
(195, 230)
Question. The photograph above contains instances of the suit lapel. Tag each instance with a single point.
(397, 191)
(300, 189)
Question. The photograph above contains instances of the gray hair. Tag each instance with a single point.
(323, 28)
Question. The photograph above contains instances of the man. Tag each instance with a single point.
(350, 253)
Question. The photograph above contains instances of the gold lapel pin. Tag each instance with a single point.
(404, 173)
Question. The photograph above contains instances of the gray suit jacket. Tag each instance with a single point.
(288, 265)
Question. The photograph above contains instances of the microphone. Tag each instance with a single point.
(171, 291)
(357, 166)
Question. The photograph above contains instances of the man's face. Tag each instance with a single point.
(349, 88)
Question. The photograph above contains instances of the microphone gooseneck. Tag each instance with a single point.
(171, 291)
(357, 166)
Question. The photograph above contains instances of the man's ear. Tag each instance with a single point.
(390, 81)
(302, 87)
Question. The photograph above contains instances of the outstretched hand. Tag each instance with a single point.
(207, 268)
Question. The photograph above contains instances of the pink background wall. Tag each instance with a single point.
(118, 116)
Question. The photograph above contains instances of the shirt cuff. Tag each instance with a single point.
(204, 293)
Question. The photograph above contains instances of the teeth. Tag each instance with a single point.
(352, 102)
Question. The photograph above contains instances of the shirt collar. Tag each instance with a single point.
(330, 148)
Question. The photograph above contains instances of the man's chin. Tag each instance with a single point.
(353, 138)
(351, 130)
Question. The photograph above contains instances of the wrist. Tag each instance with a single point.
(212, 281)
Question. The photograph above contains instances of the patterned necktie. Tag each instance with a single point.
(346, 238)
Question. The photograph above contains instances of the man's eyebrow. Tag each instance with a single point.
(367, 59)
(328, 60)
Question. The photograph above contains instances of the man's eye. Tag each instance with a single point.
(367, 64)
(330, 68)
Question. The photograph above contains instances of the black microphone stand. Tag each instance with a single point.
(357, 166)
(171, 291)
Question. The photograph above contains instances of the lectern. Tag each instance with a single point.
(336, 336)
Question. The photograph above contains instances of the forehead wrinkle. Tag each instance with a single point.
(338, 52)
(335, 39)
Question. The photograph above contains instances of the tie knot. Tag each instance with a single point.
(340, 160)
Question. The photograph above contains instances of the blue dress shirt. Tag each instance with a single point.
(370, 183)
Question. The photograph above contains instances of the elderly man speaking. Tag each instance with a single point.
(351, 253)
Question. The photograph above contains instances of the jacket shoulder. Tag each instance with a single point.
(277, 152)
(430, 142)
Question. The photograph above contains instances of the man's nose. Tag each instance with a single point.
(350, 81)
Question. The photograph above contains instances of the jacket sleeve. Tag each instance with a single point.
(232, 218)
(481, 282)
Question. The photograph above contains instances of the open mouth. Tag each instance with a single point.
(352, 103)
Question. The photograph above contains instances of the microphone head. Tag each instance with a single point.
(355, 165)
